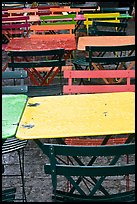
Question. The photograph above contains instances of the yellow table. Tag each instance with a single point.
(78, 115)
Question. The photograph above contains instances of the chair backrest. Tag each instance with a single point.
(64, 9)
(115, 9)
(41, 58)
(58, 19)
(73, 88)
(23, 11)
(107, 28)
(13, 5)
(8, 195)
(14, 88)
(87, 168)
(119, 54)
(114, 65)
(12, 26)
(106, 17)
(52, 29)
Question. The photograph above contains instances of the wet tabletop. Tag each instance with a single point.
(78, 115)
(105, 41)
(12, 109)
(43, 42)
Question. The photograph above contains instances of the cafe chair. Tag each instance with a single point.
(125, 12)
(106, 17)
(15, 26)
(13, 144)
(74, 88)
(8, 195)
(99, 28)
(38, 63)
(93, 172)
(106, 58)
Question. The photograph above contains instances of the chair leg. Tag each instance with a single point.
(21, 163)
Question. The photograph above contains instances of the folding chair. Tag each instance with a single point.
(92, 171)
(13, 144)
(36, 64)
(105, 58)
(99, 28)
(15, 26)
(8, 195)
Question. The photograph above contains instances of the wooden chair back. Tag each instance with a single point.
(88, 168)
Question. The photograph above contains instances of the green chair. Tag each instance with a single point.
(93, 172)
(115, 9)
(8, 195)
(13, 144)
(99, 28)
(58, 19)
(99, 58)
(14, 75)
(42, 66)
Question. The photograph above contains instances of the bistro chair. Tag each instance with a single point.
(105, 17)
(13, 144)
(15, 26)
(99, 28)
(106, 58)
(124, 12)
(89, 171)
(36, 64)
(8, 195)
(58, 19)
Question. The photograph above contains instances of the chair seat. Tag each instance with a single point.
(12, 144)
(8, 195)
(128, 196)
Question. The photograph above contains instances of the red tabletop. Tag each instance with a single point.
(43, 42)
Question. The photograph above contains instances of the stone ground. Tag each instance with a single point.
(37, 183)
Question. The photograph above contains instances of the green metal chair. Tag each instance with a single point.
(89, 169)
(58, 19)
(99, 28)
(13, 144)
(8, 195)
(99, 58)
(42, 66)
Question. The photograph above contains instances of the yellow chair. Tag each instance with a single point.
(105, 17)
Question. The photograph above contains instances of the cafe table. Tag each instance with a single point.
(81, 115)
(105, 41)
(43, 42)
(12, 109)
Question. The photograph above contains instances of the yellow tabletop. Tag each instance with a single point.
(78, 115)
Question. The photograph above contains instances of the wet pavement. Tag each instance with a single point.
(37, 184)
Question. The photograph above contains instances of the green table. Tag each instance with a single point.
(12, 109)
